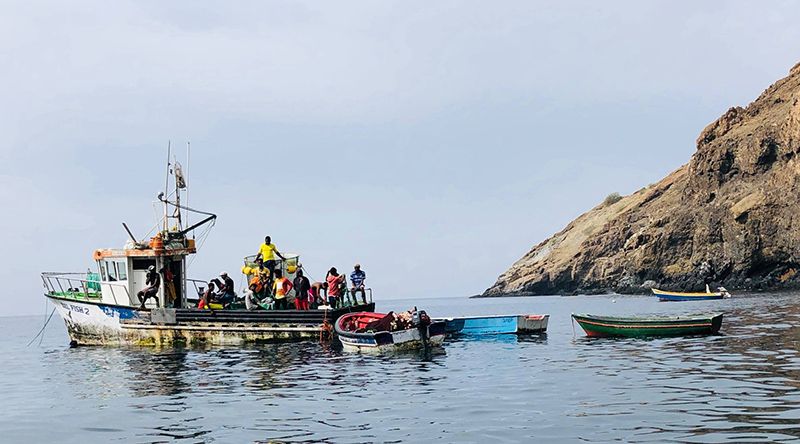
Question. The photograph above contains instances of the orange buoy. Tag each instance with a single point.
(156, 243)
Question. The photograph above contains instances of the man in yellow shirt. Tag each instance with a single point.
(267, 252)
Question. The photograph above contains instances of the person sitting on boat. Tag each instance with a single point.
(208, 296)
(357, 278)
(302, 291)
(280, 290)
(267, 252)
(261, 270)
(256, 292)
(335, 281)
(153, 281)
(226, 292)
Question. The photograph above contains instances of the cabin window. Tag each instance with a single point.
(142, 264)
(103, 273)
(111, 268)
(122, 271)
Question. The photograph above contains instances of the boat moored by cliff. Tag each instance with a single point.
(676, 296)
(608, 326)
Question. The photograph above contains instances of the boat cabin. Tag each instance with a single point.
(122, 273)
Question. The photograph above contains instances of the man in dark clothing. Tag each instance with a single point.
(153, 281)
(227, 295)
(301, 287)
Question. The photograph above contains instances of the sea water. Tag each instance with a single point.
(742, 385)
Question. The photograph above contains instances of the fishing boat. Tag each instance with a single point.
(496, 324)
(369, 332)
(102, 307)
(606, 326)
(698, 296)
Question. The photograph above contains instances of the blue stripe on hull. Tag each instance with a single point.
(675, 298)
(483, 325)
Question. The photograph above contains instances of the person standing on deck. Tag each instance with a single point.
(357, 278)
(301, 291)
(169, 286)
(280, 289)
(153, 281)
(267, 252)
(334, 281)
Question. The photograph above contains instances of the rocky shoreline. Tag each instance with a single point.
(726, 218)
(751, 287)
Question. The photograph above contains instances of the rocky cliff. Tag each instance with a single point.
(731, 217)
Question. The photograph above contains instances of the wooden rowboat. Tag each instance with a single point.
(699, 296)
(605, 326)
(496, 324)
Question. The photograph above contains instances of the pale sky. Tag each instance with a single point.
(433, 142)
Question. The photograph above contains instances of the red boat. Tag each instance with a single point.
(378, 332)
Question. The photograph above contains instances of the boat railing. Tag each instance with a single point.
(76, 285)
(352, 296)
(199, 289)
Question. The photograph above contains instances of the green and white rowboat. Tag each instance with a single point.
(609, 326)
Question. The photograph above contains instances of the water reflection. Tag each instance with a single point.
(740, 386)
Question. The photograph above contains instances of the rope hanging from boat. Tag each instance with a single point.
(325, 328)
(202, 237)
(43, 327)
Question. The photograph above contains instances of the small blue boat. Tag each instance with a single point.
(495, 325)
(699, 296)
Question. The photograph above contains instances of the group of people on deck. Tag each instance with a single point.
(270, 289)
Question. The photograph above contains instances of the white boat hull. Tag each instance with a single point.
(101, 324)
(408, 340)
(383, 342)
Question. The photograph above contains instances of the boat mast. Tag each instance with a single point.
(186, 181)
(166, 189)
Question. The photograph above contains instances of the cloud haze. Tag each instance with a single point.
(432, 142)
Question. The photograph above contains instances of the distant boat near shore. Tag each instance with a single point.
(698, 296)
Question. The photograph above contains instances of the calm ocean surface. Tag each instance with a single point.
(742, 386)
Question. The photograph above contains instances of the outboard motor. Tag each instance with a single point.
(421, 320)
(424, 319)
